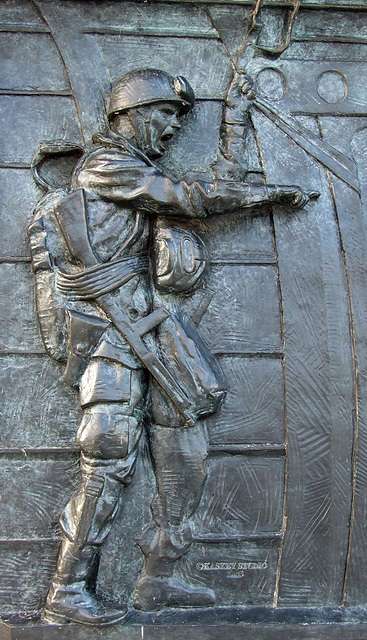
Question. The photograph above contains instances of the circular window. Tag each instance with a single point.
(271, 84)
(332, 87)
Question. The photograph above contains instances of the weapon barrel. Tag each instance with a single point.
(148, 358)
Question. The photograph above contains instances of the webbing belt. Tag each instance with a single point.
(102, 278)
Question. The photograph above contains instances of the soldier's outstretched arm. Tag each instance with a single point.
(129, 181)
(228, 197)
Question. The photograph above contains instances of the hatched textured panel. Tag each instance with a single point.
(352, 221)
(142, 19)
(241, 238)
(30, 565)
(19, 329)
(251, 293)
(41, 69)
(242, 495)
(18, 13)
(320, 402)
(42, 486)
(254, 408)
(47, 414)
(207, 69)
(330, 25)
(327, 51)
(18, 196)
(42, 118)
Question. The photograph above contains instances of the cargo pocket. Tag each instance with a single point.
(105, 381)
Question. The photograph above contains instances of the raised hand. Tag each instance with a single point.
(239, 99)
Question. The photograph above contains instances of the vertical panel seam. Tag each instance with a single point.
(284, 523)
(355, 377)
(77, 108)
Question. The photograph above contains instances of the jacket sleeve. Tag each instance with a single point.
(122, 178)
(232, 158)
(223, 196)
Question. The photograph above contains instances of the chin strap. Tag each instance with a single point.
(142, 129)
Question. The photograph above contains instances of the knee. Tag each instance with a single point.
(107, 432)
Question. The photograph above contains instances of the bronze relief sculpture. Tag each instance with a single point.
(112, 254)
(183, 334)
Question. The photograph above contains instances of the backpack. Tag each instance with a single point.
(52, 168)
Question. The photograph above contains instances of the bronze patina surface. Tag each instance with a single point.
(183, 265)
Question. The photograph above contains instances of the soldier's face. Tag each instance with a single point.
(161, 123)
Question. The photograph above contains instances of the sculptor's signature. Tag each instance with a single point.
(235, 569)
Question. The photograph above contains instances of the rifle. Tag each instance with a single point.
(70, 214)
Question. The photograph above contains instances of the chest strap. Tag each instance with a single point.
(102, 278)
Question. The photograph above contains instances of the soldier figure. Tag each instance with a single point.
(118, 217)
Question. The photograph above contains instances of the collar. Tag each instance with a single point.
(112, 139)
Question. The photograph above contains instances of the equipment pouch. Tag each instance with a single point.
(84, 333)
(180, 257)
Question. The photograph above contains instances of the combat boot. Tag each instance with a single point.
(70, 597)
(156, 587)
(153, 592)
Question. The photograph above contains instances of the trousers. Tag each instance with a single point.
(117, 396)
(178, 454)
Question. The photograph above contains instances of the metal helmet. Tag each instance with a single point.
(147, 86)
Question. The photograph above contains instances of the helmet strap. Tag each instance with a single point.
(141, 126)
(121, 123)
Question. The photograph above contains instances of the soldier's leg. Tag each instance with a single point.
(108, 436)
(179, 454)
(179, 457)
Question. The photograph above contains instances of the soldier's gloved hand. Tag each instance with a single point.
(293, 196)
(239, 99)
